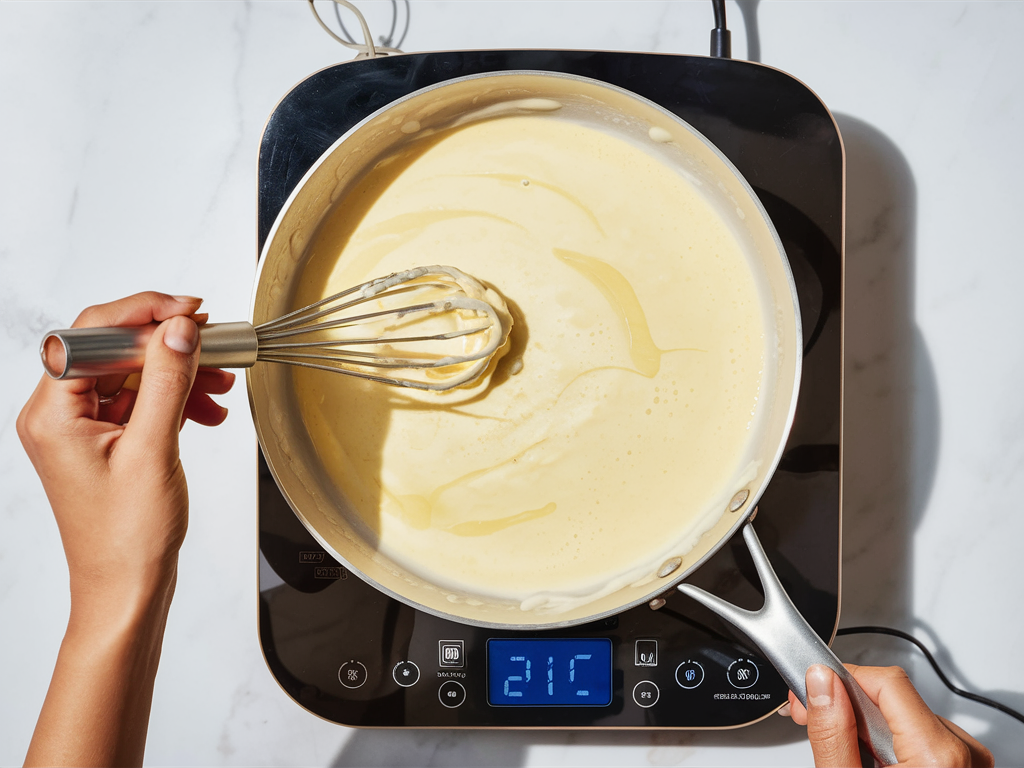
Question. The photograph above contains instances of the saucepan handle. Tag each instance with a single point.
(791, 645)
(77, 353)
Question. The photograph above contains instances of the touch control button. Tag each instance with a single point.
(451, 694)
(646, 653)
(451, 653)
(406, 674)
(645, 694)
(742, 673)
(352, 674)
(689, 674)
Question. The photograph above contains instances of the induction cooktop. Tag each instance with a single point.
(353, 655)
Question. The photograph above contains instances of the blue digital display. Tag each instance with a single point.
(549, 673)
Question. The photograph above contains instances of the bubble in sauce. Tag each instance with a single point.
(659, 134)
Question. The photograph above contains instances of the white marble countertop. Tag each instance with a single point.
(128, 147)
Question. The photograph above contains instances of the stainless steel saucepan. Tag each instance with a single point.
(783, 636)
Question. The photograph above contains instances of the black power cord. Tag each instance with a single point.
(721, 43)
(931, 660)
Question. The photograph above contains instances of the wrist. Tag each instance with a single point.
(97, 707)
(105, 606)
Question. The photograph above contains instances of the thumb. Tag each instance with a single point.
(167, 375)
(831, 723)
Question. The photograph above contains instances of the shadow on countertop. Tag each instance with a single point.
(892, 427)
(748, 8)
(891, 414)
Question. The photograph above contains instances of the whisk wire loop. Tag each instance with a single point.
(397, 339)
(399, 334)
(435, 306)
(393, 285)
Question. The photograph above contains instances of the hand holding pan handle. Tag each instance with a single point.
(789, 643)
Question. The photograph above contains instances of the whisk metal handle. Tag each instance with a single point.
(227, 345)
(86, 352)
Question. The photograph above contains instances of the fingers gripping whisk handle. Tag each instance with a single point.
(77, 353)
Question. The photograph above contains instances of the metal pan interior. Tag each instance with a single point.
(294, 458)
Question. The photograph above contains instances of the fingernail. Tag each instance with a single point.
(181, 335)
(819, 686)
(784, 711)
(188, 299)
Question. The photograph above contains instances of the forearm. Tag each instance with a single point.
(96, 711)
(108, 459)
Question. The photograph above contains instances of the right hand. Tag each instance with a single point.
(920, 737)
(108, 455)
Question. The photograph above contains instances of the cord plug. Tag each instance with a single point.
(721, 40)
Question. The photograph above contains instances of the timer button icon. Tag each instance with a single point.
(406, 674)
(451, 694)
(352, 674)
(742, 673)
(689, 674)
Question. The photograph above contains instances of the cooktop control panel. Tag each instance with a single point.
(349, 653)
(353, 655)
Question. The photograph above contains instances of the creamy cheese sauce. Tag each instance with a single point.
(621, 419)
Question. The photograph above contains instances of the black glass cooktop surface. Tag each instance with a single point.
(353, 655)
